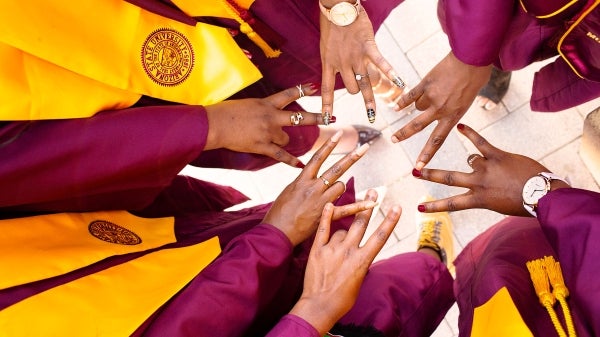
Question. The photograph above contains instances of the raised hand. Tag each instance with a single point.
(254, 125)
(348, 50)
(297, 210)
(337, 266)
(445, 94)
(496, 182)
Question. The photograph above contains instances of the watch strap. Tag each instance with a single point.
(548, 176)
(326, 11)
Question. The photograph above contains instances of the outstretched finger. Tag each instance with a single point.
(411, 96)
(449, 178)
(487, 150)
(278, 153)
(415, 126)
(353, 208)
(322, 235)
(377, 240)
(384, 66)
(361, 221)
(435, 141)
(451, 204)
(317, 159)
(327, 89)
(341, 166)
(289, 95)
(296, 118)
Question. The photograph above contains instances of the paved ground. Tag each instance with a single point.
(413, 42)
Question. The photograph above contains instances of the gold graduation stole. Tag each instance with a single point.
(499, 317)
(112, 48)
(112, 302)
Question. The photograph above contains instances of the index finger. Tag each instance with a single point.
(289, 95)
(415, 126)
(486, 149)
(435, 141)
(327, 89)
(411, 96)
(278, 153)
(361, 221)
(294, 118)
(378, 60)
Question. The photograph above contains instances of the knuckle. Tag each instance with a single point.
(452, 205)
(437, 140)
(449, 178)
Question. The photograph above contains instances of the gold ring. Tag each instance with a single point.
(325, 181)
(471, 158)
(296, 118)
(299, 86)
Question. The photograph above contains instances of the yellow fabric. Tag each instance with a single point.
(36, 248)
(215, 8)
(113, 302)
(32, 89)
(127, 48)
(499, 317)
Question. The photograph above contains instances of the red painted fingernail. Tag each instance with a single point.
(460, 126)
(315, 86)
(416, 173)
(421, 208)
(300, 165)
(332, 119)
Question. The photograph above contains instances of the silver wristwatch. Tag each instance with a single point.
(535, 188)
(342, 13)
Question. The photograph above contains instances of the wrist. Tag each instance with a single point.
(316, 314)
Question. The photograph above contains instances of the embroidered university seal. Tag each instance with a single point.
(167, 57)
(110, 232)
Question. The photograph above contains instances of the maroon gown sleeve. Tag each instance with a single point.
(475, 28)
(115, 159)
(293, 326)
(228, 295)
(570, 219)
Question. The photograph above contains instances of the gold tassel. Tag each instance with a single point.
(262, 44)
(252, 35)
(538, 276)
(560, 291)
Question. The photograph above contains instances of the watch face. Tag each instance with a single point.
(343, 13)
(535, 188)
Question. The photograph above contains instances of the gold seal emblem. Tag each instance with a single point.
(167, 57)
(110, 232)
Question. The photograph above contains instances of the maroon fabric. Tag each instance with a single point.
(568, 229)
(514, 41)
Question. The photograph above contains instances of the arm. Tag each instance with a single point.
(115, 159)
(570, 218)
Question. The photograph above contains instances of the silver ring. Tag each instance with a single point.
(360, 77)
(299, 86)
(296, 118)
(325, 181)
(471, 158)
(326, 118)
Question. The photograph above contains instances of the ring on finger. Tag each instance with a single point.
(296, 118)
(471, 158)
(300, 91)
(325, 181)
(360, 77)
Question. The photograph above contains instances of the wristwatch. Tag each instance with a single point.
(342, 13)
(535, 188)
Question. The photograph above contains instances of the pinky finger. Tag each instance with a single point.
(278, 153)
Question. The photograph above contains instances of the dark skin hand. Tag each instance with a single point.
(297, 210)
(445, 94)
(348, 50)
(254, 125)
(337, 266)
(496, 182)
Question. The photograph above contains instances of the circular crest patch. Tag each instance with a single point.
(167, 57)
(110, 232)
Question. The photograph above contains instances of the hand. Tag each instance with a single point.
(348, 50)
(337, 267)
(255, 125)
(496, 182)
(297, 210)
(445, 94)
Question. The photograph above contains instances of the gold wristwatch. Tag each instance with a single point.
(342, 13)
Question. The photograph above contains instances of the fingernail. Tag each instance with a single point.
(309, 88)
(420, 165)
(314, 86)
(371, 115)
(398, 81)
(460, 126)
(362, 149)
(416, 173)
(421, 208)
(300, 165)
(395, 139)
(335, 138)
(332, 119)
